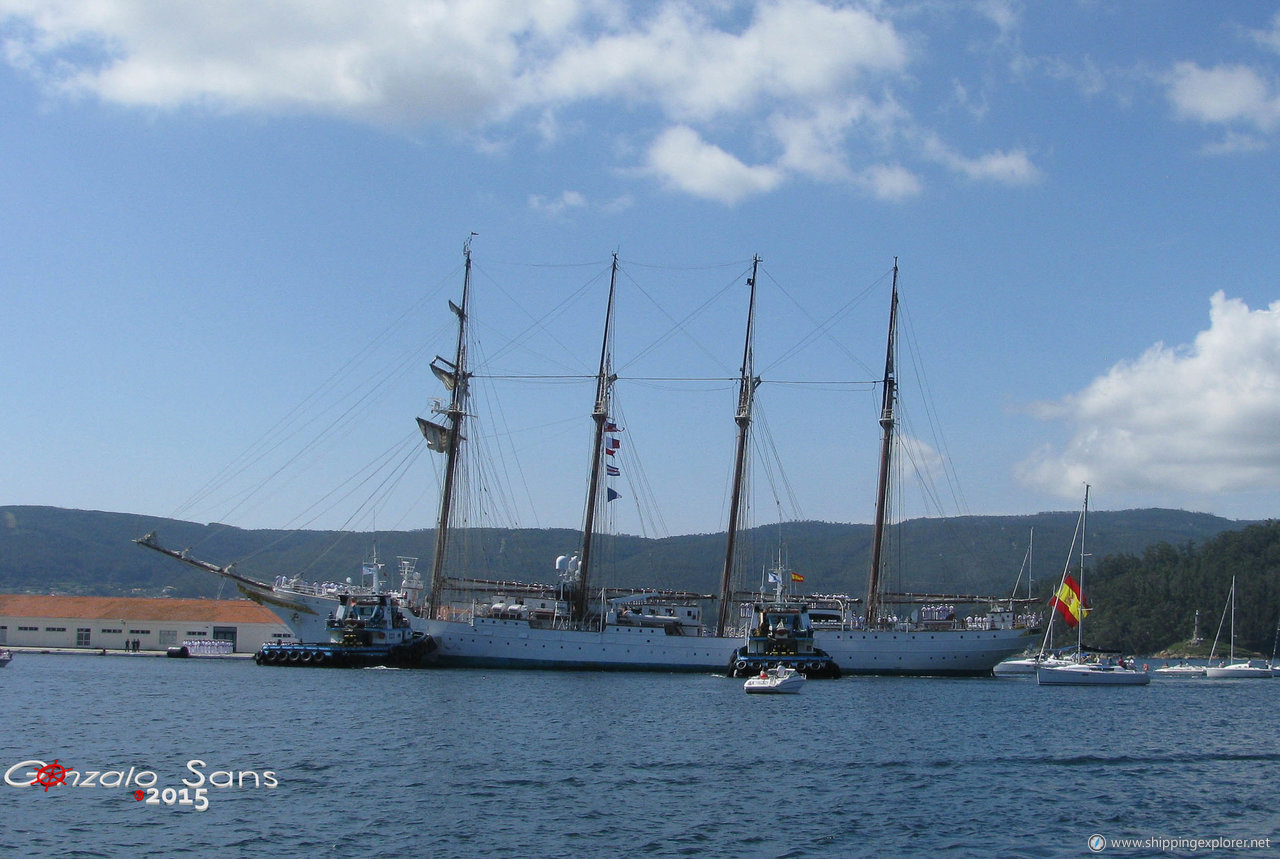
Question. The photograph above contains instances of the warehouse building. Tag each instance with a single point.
(114, 623)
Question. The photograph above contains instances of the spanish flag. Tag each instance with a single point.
(796, 577)
(1069, 602)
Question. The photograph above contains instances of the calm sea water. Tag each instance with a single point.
(476, 763)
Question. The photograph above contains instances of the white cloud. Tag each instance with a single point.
(686, 162)
(1007, 168)
(442, 60)
(891, 182)
(808, 82)
(793, 50)
(1233, 143)
(1270, 38)
(567, 201)
(1223, 94)
(1200, 418)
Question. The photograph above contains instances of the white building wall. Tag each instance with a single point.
(99, 633)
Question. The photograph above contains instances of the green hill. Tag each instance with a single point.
(1146, 602)
(54, 550)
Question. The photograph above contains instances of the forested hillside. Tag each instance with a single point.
(53, 550)
(1144, 602)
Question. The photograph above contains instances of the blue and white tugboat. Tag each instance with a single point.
(781, 636)
(365, 630)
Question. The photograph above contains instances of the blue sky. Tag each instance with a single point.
(228, 233)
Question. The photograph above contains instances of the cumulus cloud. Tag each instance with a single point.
(445, 60)
(567, 201)
(1193, 419)
(891, 182)
(798, 86)
(791, 50)
(1224, 95)
(1007, 168)
(684, 161)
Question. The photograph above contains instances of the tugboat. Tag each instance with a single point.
(365, 630)
(781, 636)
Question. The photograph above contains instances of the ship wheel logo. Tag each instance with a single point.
(51, 774)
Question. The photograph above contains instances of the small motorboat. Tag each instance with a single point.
(1182, 669)
(6, 656)
(777, 680)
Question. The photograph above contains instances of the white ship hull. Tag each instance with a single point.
(963, 652)
(1239, 671)
(493, 643)
(1091, 675)
(304, 614)
(510, 643)
(1028, 665)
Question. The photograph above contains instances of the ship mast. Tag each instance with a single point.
(747, 384)
(604, 388)
(455, 414)
(887, 420)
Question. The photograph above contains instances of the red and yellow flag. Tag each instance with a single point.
(1069, 602)
(796, 577)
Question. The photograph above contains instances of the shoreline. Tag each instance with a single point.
(107, 651)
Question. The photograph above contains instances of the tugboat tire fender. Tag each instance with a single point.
(295, 656)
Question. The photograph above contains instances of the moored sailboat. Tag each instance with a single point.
(1070, 603)
(1249, 669)
(1028, 662)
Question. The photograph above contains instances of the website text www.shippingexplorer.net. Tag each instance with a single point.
(1102, 843)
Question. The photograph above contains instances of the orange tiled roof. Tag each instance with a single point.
(135, 609)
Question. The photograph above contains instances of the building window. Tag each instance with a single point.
(197, 634)
(55, 629)
(28, 629)
(82, 638)
(139, 632)
(111, 631)
(168, 637)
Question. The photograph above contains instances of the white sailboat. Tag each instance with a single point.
(1070, 603)
(1250, 669)
(1027, 664)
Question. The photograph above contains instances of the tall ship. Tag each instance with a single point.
(590, 630)
(576, 623)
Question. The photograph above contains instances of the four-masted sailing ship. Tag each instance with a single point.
(576, 624)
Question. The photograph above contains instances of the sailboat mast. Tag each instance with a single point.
(604, 386)
(887, 420)
(747, 384)
(455, 414)
(1084, 529)
(1232, 656)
